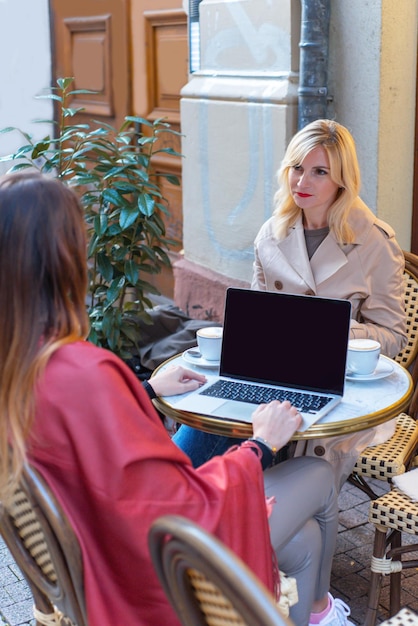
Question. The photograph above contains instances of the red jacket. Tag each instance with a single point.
(102, 448)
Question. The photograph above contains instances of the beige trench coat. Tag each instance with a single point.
(369, 273)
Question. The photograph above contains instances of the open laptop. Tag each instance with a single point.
(277, 341)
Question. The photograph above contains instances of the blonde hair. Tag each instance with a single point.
(340, 147)
(43, 283)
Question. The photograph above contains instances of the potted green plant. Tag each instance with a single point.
(112, 172)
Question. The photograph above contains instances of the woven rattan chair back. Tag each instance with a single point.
(392, 514)
(405, 617)
(396, 455)
(407, 356)
(44, 546)
(205, 582)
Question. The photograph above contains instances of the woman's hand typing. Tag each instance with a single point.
(276, 422)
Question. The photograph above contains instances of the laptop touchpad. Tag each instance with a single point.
(231, 409)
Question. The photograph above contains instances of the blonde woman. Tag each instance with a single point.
(323, 240)
(81, 417)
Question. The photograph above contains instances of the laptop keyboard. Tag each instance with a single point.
(255, 394)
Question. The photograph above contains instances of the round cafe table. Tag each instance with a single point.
(366, 403)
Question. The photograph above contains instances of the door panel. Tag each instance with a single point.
(160, 70)
(91, 42)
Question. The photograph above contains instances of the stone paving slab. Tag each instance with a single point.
(350, 572)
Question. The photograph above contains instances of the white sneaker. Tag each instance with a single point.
(337, 615)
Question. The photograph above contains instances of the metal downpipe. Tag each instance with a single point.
(313, 71)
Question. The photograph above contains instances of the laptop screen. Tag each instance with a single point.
(289, 340)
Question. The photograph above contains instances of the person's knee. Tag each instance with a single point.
(318, 468)
(302, 552)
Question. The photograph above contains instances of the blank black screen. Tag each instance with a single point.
(285, 339)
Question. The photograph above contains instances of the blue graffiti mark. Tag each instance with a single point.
(255, 113)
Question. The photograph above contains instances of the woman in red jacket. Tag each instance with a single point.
(80, 416)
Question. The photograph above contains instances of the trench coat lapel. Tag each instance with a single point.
(293, 248)
(326, 261)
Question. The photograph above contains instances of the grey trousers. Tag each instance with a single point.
(303, 527)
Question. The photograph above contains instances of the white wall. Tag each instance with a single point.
(372, 78)
(25, 70)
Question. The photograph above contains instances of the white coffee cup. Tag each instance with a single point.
(209, 340)
(362, 356)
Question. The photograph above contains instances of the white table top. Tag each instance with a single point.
(365, 404)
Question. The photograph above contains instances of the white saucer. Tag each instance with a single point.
(384, 368)
(199, 361)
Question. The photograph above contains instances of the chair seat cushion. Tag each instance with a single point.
(389, 458)
(395, 510)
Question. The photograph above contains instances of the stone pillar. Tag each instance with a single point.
(238, 113)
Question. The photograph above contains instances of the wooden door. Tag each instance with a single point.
(134, 53)
(159, 71)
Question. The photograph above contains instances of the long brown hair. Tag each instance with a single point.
(43, 282)
(340, 147)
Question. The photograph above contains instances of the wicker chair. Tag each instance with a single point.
(405, 617)
(44, 546)
(396, 455)
(392, 514)
(204, 581)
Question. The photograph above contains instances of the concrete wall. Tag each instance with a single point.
(237, 114)
(239, 111)
(25, 70)
(372, 78)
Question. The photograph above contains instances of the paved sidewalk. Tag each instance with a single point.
(350, 572)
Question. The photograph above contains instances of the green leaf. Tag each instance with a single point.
(7, 158)
(100, 224)
(128, 216)
(119, 253)
(112, 196)
(138, 120)
(75, 92)
(92, 336)
(39, 149)
(70, 112)
(64, 83)
(114, 230)
(114, 291)
(8, 129)
(146, 205)
(104, 266)
(172, 179)
(168, 151)
(19, 167)
(48, 96)
(22, 151)
(131, 271)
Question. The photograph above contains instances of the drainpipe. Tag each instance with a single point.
(194, 35)
(313, 73)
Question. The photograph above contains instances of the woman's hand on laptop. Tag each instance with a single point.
(276, 422)
(176, 380)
